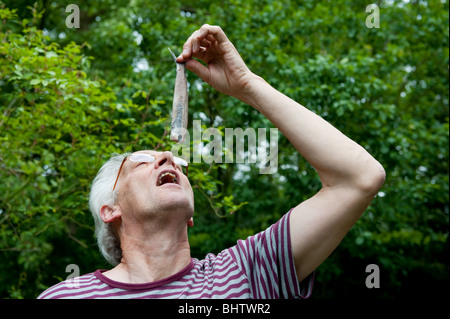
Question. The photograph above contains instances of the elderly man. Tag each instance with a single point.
(143, 204)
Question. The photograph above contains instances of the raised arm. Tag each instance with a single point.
(350, 176)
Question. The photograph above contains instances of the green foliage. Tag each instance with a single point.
(71, 97)
(57, 128)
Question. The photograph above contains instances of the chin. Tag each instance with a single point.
(179, 203)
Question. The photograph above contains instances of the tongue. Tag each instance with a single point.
(166, 179)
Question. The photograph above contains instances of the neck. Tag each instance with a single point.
(151, 255)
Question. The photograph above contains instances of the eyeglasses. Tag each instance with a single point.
(147, 158)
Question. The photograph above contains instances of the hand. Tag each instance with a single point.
(225, 70)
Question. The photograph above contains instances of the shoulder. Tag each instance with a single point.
(212, 262)
(71, 288)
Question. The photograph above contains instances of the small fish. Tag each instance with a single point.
(180, 103)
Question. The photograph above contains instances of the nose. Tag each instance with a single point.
(165, 158)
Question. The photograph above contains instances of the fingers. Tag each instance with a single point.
(215, 31)
(201, 40)
(202, 71)
(206, 43)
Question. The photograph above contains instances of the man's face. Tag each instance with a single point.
(158, 189)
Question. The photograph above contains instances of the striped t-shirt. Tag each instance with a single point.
(261, 266)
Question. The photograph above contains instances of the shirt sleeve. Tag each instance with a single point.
(267, 261)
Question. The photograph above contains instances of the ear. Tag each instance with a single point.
(191, 222)
(110, 213)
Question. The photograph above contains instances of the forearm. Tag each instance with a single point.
(337, 159)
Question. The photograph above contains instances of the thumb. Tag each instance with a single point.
(202, 71)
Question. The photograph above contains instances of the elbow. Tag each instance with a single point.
(372, 179)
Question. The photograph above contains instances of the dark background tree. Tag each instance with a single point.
(71, 97)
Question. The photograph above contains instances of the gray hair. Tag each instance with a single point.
(102, 194)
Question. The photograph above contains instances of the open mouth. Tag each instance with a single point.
(167, 177)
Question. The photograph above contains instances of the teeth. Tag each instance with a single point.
(167, 173)
(174, 178)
